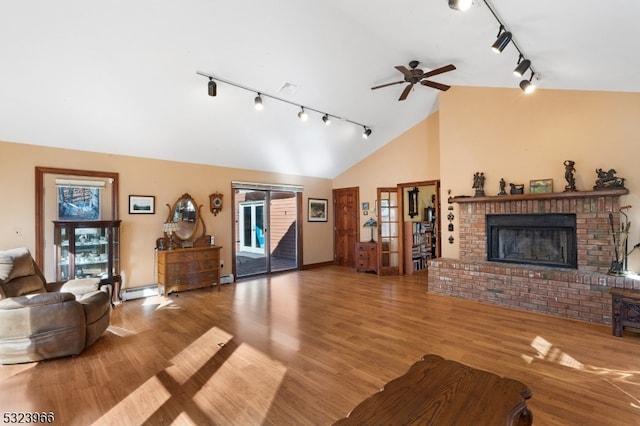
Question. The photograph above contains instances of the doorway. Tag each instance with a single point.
(266, 229)
(347, 229)
(420, 224)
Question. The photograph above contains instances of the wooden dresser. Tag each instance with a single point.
(367, 257)
(188, 268)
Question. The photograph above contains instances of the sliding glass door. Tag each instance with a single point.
(266, 230)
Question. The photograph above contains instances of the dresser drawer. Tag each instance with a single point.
(182, 256)
(190, 268)
(205, 278)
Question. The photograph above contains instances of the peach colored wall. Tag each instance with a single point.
(506, 134)
(411, 157)
(167, 181)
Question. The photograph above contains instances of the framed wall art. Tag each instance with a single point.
(78, 203)
(541, 186)
(142, 204)
(318, 208)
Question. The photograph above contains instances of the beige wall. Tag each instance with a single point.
(508, 135)
(165, 180)
(496, 131)
(411, 157)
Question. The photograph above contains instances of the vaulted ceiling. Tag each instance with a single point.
(121, 76)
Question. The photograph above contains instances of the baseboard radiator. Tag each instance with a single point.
(139, 292)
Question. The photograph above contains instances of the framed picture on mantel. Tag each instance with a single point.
(541, 186)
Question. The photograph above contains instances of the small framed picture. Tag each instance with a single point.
(318, 209)
(142, 204)
(365, 206)
(541, 186)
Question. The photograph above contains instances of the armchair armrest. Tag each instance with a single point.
(81, 286)
(33, 300)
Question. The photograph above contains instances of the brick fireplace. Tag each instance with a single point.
(580, 293)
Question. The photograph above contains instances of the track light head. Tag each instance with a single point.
(258, 102)
(523, 66)
(504, 37)
(460, 5)
(527, 86)
(366, 132)
(302, 115)
(326, 119)
(213, 87)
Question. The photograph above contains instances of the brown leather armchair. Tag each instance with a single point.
(40, 320)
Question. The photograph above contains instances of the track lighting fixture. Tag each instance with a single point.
(366, 132)
(504, 37)
(502, 41)
(212, 87)
(460, 5)
(258, 102)
(527, 86)
(523, 66)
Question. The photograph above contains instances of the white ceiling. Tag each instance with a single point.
(120, 76)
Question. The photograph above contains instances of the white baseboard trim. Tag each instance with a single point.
(139, 292)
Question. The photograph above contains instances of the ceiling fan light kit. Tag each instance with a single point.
(258, 104)
(502, 41)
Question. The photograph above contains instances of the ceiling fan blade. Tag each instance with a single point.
(435, 85)
(387, 84)
(440, 70)
(405, 92)
(404, 71)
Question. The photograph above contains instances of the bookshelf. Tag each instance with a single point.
(418, 245)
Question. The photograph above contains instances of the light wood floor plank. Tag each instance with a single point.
(304, 348)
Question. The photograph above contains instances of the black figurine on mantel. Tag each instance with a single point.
(478, 184)
(503, 184)
(608, 180)
(569, 170)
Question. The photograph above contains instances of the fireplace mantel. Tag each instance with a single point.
(549, 196)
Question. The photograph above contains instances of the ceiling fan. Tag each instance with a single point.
(415, 75)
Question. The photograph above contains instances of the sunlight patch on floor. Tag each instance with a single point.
(139, 404)
(248, 379)
(161, 301)
(190, 360)
(546, 351)
(119, 331)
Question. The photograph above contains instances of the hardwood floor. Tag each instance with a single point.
(306, 347)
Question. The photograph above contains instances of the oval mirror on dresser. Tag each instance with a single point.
(185, 213)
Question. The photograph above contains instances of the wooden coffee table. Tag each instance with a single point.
(436, 391)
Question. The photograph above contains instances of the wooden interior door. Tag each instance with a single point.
(347, 227)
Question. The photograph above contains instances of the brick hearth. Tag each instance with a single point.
(581, 293)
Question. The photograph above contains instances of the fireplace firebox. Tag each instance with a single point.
(534, 239)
